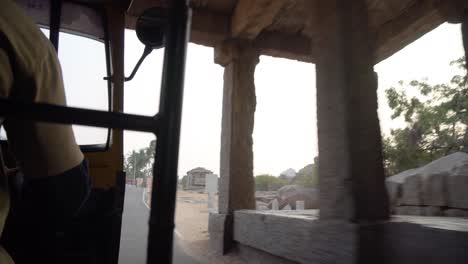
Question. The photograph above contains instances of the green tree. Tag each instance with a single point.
(267, 182)
(436, 120)
(139, 164)
(183, 181)
(307, 176)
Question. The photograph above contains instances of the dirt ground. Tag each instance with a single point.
(192, 215)
(192, 228)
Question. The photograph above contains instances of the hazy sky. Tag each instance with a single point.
(285, 133)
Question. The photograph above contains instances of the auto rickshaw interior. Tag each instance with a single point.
(96, 237)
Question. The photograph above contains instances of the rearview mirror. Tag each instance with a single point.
(150, 28)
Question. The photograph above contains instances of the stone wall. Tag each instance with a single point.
(439, 188)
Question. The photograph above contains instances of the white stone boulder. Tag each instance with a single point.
(394, 184)
(443, 182)
(290, 194)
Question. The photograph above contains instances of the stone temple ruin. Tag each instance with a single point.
(196, 178)
(344, 39)
(438, 189)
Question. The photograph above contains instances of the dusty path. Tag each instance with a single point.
(192, 224)
(135, 230)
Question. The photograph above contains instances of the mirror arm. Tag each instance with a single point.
(146, 52)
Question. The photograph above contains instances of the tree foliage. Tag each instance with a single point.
(436, 119)
(307, 176)
(183, 181)
(267, 182)
(139, 164)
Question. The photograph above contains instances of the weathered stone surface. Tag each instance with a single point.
(274, 205)
(437, 174)
(251, 17)
(236, 184)
(290, 194)
(351, 175)
(220, 230)
(262, 206)
(301, 239)
(424, 187)
(457, 186)
(432, 211)
(418, 210)
(433, 190)
(253, 255)
(411, 191)
(443, 182)
(394, 186)
(456, 213)
(409, 210)
(265, 196)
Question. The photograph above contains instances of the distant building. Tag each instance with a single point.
(196, 178)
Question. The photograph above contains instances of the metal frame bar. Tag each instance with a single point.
(110, 85)
(54, 22)
(163, 196)
(54, 25)
(102, 147)
(78, 116)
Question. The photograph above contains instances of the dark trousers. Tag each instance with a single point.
(42, 214)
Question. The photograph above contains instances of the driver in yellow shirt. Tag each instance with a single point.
(56, 180)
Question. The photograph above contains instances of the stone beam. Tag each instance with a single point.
(251, 17)
(211, 29)
(208, 28)
(277, 44)
(452, 10)
(352, 186)
(419, 19)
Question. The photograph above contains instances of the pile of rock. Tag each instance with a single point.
(438, 189)
(286, 198)
(263, 198)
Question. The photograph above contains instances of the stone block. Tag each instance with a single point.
(394, 192)
(433, 189)
(220, 230)
(412, 191)
(457, 186)
(409, 210)
(443, 182)
(262, 206)
(394, 186)
(274, 205)
(432, 211)
(456, 213)
(290, 194)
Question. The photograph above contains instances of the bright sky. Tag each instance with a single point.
(285, 133)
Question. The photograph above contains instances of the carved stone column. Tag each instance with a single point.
(236, 185)
(352, 185)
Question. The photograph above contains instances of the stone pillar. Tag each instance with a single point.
(465, 35)
(236, 185)
(351, 170)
